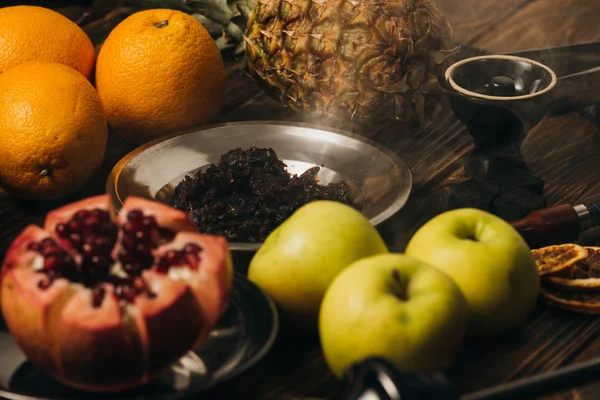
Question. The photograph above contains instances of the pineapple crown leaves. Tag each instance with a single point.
(224, 19)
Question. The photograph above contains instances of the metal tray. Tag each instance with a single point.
(382, 182)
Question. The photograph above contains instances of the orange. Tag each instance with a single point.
(159, 71)
(30, 33)
(53, 130)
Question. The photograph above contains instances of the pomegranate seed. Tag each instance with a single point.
(67, 262)
(99, 261)
(135, 215)
(48, 242)
(51, 251)
(33, 246)
(140, 285)
(62, 230)
(125, 292)
(133, 268)
(150, 222)
(75, 239)
(101, 243)
(163, 266)
(172, 256)
(102, 215)
(192, 260)
(87, 249)
(132, 227)
(142, 236)
(51, 262)
(125, 256)
(81, 215)
(91, 221)
(128, 241)
(143, 248)
(74, 226)
(191, 248)
(44, 283)
(98, 296)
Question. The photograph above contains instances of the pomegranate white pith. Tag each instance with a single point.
(104, 302)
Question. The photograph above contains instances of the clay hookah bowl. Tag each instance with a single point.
(499, 98)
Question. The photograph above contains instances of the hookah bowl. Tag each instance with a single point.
(499, 98)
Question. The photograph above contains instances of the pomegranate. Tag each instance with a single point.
(104, 302)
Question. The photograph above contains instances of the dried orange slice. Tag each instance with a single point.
(552, 259)
(583, 276)
(584, 303)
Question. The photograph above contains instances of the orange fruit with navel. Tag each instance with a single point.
(53, 130)
(31, 33)
(159, 71)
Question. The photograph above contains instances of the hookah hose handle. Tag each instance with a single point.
(376, 378)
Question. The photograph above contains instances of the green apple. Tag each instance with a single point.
(490, 262)
(393, 306)
(300, 258)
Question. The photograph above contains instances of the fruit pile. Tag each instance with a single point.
(104, 302)
(158, 71)
(464, 273)
(570, 277)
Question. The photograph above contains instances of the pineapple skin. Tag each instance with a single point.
(357, 61)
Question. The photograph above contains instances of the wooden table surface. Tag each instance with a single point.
(563, 150)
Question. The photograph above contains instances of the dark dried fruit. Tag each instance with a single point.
(249, 193)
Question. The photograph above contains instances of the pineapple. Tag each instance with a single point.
(357, 61)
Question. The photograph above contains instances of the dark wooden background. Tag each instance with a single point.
(562, 150)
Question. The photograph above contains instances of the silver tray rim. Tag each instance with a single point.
(392, 209)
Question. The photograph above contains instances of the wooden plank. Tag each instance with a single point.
(472, 18)
(544, 23)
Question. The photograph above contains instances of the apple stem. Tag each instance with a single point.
(400, 287)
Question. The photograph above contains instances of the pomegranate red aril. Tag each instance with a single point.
(101, 244)
(149, 222)
(135, 215)
(192, 248)
(52, 262)
(133, 268)
(87, 249)
(74, 226)
(91, 220)
(48, 242)
(143, 248)
(75, 239)
(33, 246)
(63, 231)
(128, 242)
(98, 296)
(142, 236)
(140, 284)
(125, 292)
(50, 251)
(81, 214)
(44, 283)
(132, 227)
(163, 265)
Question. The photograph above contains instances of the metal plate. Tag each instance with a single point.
(381, 180)
(242, 337)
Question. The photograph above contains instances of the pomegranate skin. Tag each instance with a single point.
(31, 316)
(110, 346)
